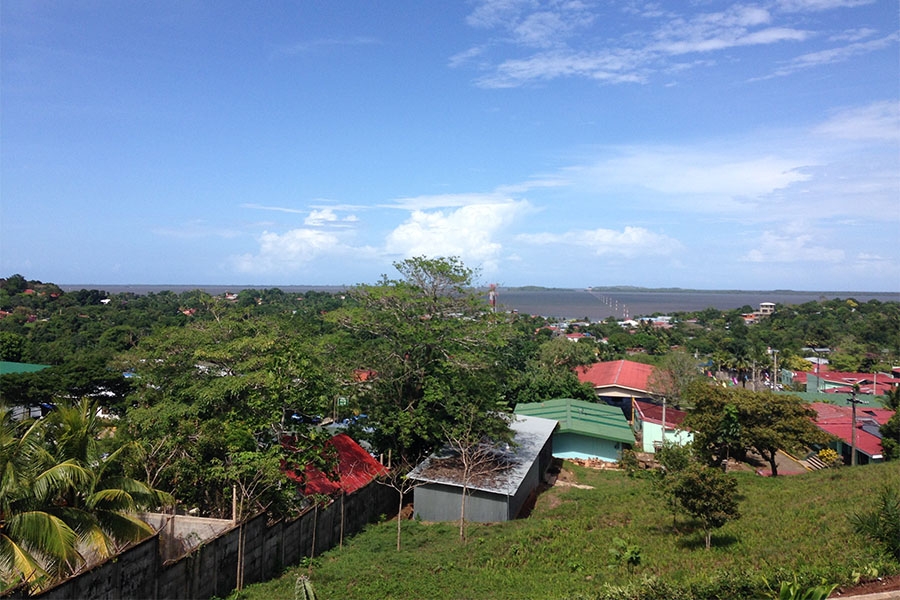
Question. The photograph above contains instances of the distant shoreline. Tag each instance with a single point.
(596, 303)
(154, 288)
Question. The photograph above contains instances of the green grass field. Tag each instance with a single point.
(790, 526)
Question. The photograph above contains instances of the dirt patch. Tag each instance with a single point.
(881, 585)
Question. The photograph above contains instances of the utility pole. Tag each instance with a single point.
(853, 402)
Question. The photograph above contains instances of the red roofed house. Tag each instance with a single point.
(356, 469)
(648, 423)
(618, 382)
(838, 421)
(835, 382)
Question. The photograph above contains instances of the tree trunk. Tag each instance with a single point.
(399, 516)
(462, 516)
(708, 538)
(773, 464)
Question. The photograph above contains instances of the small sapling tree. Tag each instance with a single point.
(709, 495)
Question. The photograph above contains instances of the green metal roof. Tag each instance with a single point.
(584, 418)
(836, 399)
(15, 367)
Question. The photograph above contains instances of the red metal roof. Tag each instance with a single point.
(356, 468)
(838, 421)
(622, 373)
(652, 413)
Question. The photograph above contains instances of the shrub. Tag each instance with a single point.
(882, 523)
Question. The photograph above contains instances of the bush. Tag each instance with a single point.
(882, 523)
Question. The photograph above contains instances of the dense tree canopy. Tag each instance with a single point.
(765, 423)
(430, 343)
(206, 385)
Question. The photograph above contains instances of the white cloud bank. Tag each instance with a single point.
(470, 232)
(787, 248)
(288, 252)
(631, 242)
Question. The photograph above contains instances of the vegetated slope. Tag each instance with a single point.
(790, 526)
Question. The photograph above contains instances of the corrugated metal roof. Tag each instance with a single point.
(356, 469)
(652, 413)
(7, 367)
(584, 418)
(622, 373)
(531, 435)
(838, 421)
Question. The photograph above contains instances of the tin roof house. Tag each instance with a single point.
(648, 423)
(587, 430)
(617, 382)
(838, 421)
(497, 495)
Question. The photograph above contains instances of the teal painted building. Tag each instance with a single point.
(587, 430)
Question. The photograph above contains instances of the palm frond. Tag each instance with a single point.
(17, 564)
(58, 477)
(44, 534)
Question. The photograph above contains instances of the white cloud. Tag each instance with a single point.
(634, 56)
(287, 252)
(631, 242)
(274, 208)
(853, 35)
(876, 121)
(701, 180)
(789, 248)
(469, 232)
(612, 66)
(835, 55)
(818, 5)
(327, 216)
(445, 201)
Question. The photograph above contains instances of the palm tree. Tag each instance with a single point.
(63, 502)
(35, 541)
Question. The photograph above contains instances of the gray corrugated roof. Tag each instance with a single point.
(531, 434)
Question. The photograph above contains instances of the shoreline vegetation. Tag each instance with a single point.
(150, 287)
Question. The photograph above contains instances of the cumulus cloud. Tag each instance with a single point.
(631, 242)
(288, 251)
(469, 232)
(327, 216)
(788, 248)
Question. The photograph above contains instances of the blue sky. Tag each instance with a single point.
(566, 143)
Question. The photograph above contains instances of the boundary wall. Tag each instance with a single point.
(245, 553)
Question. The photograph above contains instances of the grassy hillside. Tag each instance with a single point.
(789, 526)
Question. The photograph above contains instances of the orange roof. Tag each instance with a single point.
(621, 373)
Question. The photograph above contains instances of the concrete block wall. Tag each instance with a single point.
(211, 569)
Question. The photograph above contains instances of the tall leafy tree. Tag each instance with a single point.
(766, 423)
(673, 375)
(890, 431)
(429, 340)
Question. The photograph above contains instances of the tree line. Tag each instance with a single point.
(205, 389)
